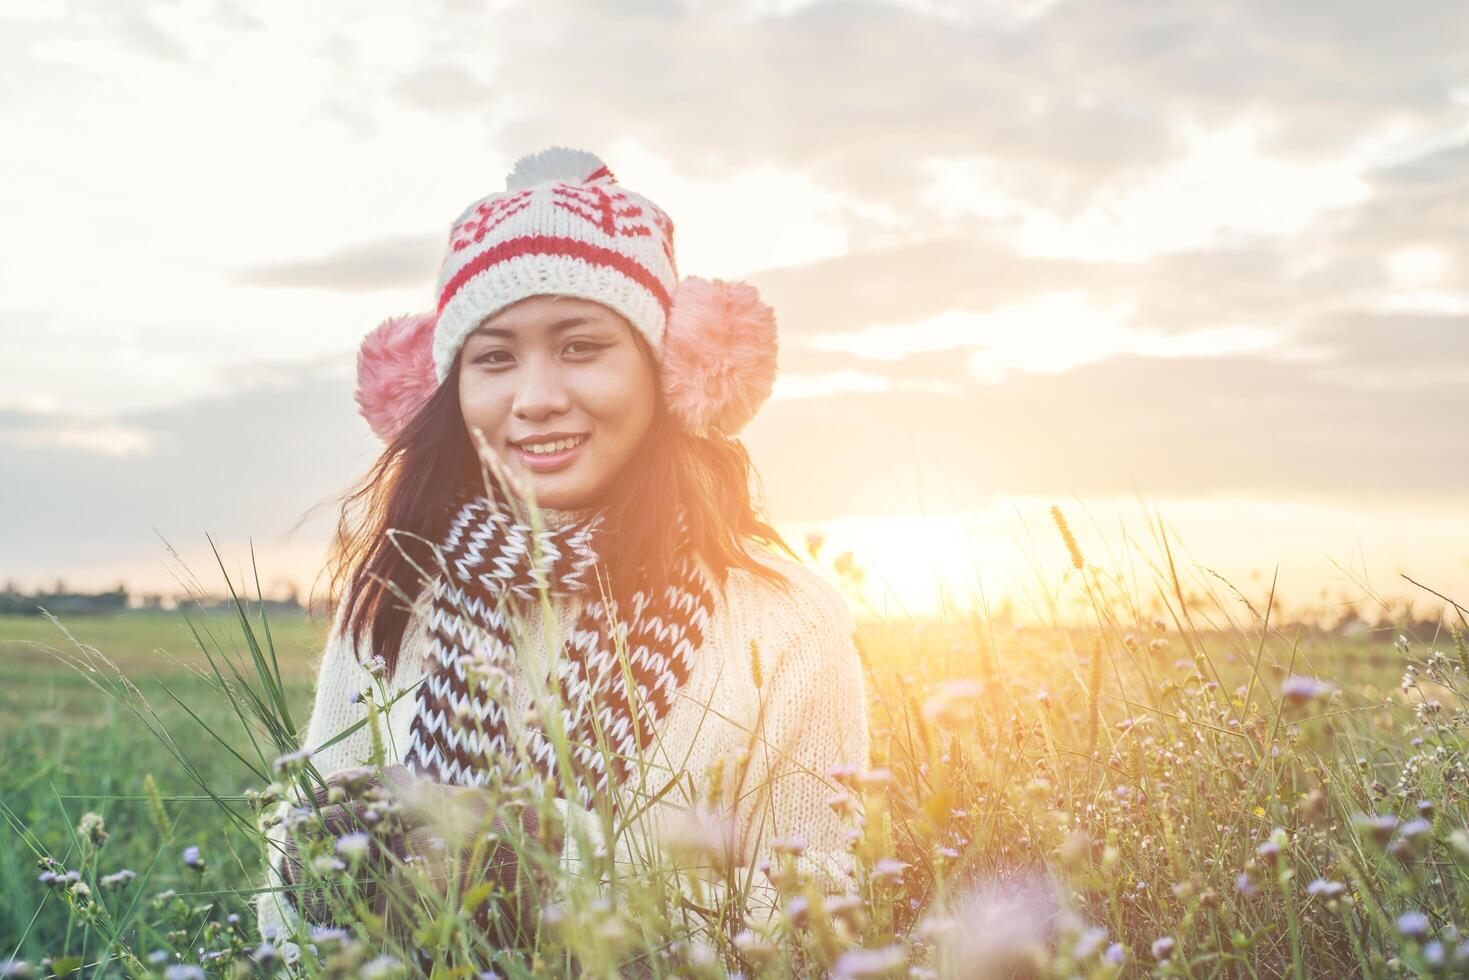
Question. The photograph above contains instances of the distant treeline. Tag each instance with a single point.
(60, 601)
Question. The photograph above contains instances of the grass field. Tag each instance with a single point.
(1200, 795)
(67, 748)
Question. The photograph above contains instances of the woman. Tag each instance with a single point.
(629, 644)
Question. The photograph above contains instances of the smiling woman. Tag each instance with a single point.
(555, 584)
(563, 388)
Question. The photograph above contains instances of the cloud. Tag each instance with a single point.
(441, 87)
(1254, 210)
(1393, 351)
(1193, 427)
(388, 264)
(247, 464)
(1071, 106)
(52, 431)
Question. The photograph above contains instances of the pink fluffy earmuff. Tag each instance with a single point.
(717, 368)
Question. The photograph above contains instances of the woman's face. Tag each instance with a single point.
(567, 377)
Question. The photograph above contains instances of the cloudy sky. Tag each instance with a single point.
(1198, 260)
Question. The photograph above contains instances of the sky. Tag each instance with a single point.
(1198, 263)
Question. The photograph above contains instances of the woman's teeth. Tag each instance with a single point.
(548, 448)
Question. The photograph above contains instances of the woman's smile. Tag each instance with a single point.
(547, 455)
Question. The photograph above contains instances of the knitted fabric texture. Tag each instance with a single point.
(797, 708)
(562, 226)
(461, 733)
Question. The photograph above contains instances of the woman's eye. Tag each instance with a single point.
(488, 357)
(586, 347)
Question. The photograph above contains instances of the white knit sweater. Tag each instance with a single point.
(796, 709)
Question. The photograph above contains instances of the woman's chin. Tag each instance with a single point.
(553, 493)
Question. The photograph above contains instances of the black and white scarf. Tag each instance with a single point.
(460, 733)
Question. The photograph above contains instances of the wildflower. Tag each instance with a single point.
(16, 970)
(954, 704)
(1416, 828)
(183, 971)
(1297, 690)
(328, 935)
(1003, 923)
(873, 778)
(1158, 645)
(706, 834)
(843, 803)
(326, 864)
(1116, 955)
(1245, 885)
(290, 762)
(869, 962)
(889, 871)
(847, 908)
(1413, 925)
(63, 880)
(1163, 948)
(794, 846)
(1379, 827)
(91, 829)
(380, 968)
(1321, 888)
(353, 846)
(798, 911)
(193, 859)
(1089, 943)
(753, 946)
(377, 666)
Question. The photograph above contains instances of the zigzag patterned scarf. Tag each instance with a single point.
(460, 733)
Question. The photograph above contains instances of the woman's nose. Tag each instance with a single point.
(541, 392)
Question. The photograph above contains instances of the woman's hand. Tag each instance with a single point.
(396, 836)
(354, 822)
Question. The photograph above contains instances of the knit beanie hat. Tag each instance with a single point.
(564, 226)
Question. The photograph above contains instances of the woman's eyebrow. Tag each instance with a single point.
(557, 327)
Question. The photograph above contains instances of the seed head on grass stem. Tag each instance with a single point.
(1076, 560)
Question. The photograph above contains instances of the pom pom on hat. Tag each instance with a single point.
(395, 372)
(719, 354)
(556, 163)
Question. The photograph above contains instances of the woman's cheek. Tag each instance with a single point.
(481, 406)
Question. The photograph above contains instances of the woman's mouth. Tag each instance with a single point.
(547, 457)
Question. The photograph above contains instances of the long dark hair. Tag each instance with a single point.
(410, 490)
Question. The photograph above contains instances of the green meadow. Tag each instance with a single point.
(1199, 793)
